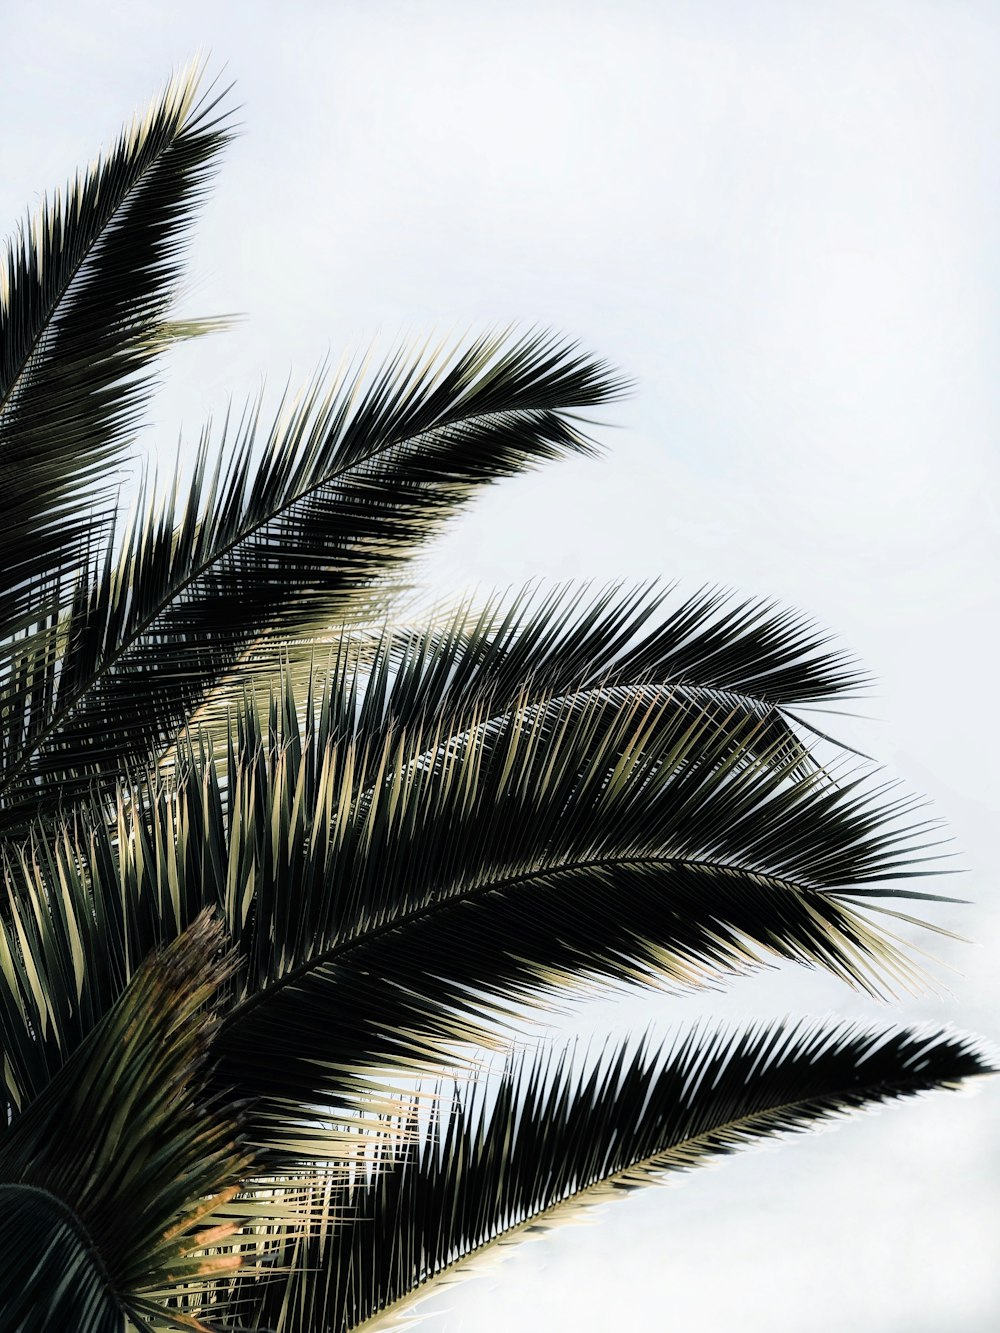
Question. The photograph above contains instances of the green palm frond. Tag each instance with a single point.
(85, 288)
(120, 1166)
(56, 1280)
(550, 1140)
(619, 838)
(422, 888)
(268, 855)
(350, 480)
(741, 658)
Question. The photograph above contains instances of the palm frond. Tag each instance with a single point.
(85, 287)
(549, 1141)
(421, 890)
(267, 856)
(350, 481)
(52, 1277)
(747, 657)
(613, 836)
(127, 1148)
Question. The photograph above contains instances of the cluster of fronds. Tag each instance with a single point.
(268, 853)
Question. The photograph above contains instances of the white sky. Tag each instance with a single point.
(781, 218)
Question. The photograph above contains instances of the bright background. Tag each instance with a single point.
(781, 219)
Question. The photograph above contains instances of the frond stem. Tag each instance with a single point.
(338, 951)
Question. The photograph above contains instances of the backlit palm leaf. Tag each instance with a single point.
(744, 660)
(610, 835)
(351, 479)
(263, 861)
(84, 292)
(550, 1140)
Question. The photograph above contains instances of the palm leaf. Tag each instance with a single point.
(129, 1200)
(744, 659)
(441, 825)
(548, 1141)
(53, 1279)
(616, 839)
(350, 481)
(84, 291)
(612, 835)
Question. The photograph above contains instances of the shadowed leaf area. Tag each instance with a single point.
(544, 1142)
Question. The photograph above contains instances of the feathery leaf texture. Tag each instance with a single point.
(746, 659)
(152, 1153)
(548, 1140)
(613, 835)
(84, 292)
(270, 853)
(53, 1276)
(274, 539)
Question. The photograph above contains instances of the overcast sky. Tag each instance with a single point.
(781, 219)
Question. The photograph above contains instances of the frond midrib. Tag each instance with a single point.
(218, 554)
(75, 1221)
(452, 727)
(340, 950)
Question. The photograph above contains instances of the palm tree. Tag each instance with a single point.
(274, 855)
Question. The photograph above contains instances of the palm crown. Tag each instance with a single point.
(273, 855)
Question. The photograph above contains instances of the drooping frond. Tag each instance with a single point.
(572, 638)
(119, 1168)
(85, 288)
(56, 1281)
(349, 482)
(744, 659)
(420, 889)
(548, 1141)
(616, 838)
